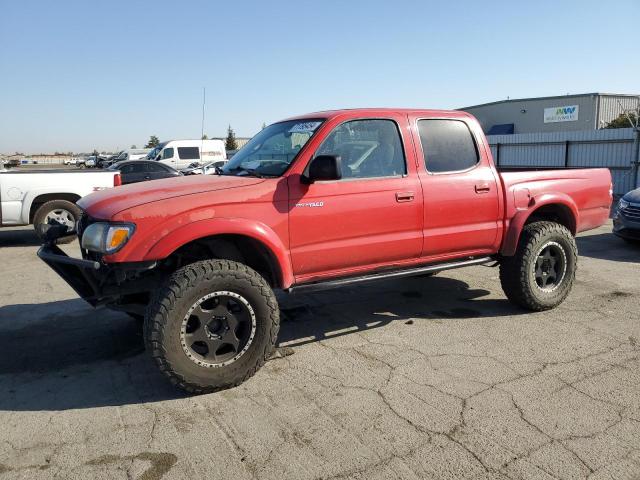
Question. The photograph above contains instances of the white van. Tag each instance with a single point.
(180, 154)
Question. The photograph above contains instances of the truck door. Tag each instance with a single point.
(461, 203)
(373, 215)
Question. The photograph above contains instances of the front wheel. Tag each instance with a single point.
(212, 325)
(541, 273)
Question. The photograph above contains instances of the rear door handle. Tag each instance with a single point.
(483, 188)
(404, 196)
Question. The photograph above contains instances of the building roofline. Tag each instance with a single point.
(593, 94)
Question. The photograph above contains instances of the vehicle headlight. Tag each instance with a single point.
(106, 237)
(622, 204)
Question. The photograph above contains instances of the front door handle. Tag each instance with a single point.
(482, 188)
(405, 197)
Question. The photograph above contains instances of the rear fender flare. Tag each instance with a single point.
(519, 220)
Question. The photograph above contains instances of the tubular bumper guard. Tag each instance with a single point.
(84, 276)
(96, 282)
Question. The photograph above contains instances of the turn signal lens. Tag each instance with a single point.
(117, 237)
(105, 238)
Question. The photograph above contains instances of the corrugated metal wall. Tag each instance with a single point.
(590, 148)
(609, 107)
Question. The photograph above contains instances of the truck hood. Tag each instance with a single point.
(106, 203)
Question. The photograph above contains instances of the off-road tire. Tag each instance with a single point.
(517, 273)
(46, 208)
(170, 304)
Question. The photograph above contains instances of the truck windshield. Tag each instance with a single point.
(271, 151)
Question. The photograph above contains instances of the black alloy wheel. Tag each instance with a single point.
(218, 329)
(550, 266)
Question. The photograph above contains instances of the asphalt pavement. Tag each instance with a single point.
(413, 378)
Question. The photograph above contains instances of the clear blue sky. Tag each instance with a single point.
(78, 75)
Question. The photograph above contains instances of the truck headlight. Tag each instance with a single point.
(105, 237)
(622, 204)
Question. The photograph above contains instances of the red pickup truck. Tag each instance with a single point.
(317, 201)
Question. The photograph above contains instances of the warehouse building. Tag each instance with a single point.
(566, 113)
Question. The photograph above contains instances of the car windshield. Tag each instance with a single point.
(271, 151)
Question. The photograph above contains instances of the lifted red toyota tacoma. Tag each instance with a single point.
(317, 201)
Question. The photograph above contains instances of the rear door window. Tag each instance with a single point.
(447, 145)
(189, 153)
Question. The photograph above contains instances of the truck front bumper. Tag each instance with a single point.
(99, 283)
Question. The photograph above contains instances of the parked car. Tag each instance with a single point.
(39, 196)
(209, 169)
(133, 171)
(106, 161)
(180, 154)
(319, 201)
(124, 155)
(626, 218)
(88, 162)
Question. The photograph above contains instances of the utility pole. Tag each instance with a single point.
(204, 98)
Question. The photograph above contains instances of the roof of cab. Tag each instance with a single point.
(356, 112)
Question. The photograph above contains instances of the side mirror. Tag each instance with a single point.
(323, 168)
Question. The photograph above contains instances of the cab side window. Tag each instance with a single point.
(447, 146)
(368, 149)
(167, 153)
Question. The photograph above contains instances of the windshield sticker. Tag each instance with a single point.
(306, 127)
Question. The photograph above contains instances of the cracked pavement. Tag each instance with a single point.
(412, 378)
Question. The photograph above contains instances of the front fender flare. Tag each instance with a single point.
(186, 233)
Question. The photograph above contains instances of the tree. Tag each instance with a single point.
(153, 142)
(230, 143)
(204, 137)
(622, 121)
(134, 146)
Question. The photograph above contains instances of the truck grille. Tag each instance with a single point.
(632, 212)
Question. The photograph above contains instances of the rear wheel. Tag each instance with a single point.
(63, 212)
(541, 273)
(212, 325)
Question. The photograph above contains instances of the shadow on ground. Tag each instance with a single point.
(63, 355)
(606, 246)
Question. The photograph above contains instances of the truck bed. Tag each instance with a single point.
(587, 192)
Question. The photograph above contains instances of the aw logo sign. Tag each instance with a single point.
(561, 114)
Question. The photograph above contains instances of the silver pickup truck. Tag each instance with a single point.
(38, 196)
